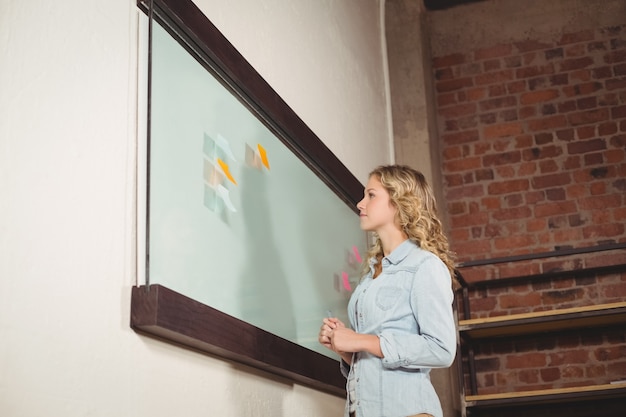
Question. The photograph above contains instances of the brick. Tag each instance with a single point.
(568, 357)
(531, 45)
(603, 72)
(575, 50)
(461, 137)
(493, 51)
(617, 290)
(507, 187)
(476, 94)
(583, 36)
(548, 109)
(567, 106)
(468, 191)
(503, 158)
(538, 96)
(543, 138)
(516, 87)
(593, 159)
(600, 202)
(550, 374)
(513, 213)
(495, 77)
(464, 164)
(566, 134)
(566, 295)
(444, 74)
(582, 89)
(586, 146)
(555, 208)
(586, 103)
(618, 112)
(609, 128)
(497, 90)
(484, 175)
(526, 360)
(512, 61)
(473, 247)
(548, 166)
(596, 46)
(588, 117)
(509, 115)
(470, 69)
(545, 152)
(453, 85)
(547, 123)
(550, 181)
(537, 83)
(575, 64)
(497, 103)
(618, 43)
(556, 53)
(615, 56)
(446, 99)
(534, 71)
(586, 132)
(580, 75)
(502, 130)
(528, 376)
(448, 60)
(615, 83)
(458, 110)
(620, 185)
(619, 69)
(514, 200)
(507, 301)
(491, 65)
(603, 231)
(487, 364)
(503, 171)
(527, 112)
(523, 141)
(559, 79)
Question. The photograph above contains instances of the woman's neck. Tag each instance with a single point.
(391, 239)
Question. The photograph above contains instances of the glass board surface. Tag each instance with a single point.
(236, 220)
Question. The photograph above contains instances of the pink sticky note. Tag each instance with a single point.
(357, 254)
(346, 283)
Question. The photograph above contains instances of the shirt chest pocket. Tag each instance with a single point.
(387, 297)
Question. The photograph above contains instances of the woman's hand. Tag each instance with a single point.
(326, 332)
(334, 335)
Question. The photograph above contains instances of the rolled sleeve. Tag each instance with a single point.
(434, 345)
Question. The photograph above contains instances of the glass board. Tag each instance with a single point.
(237, 221)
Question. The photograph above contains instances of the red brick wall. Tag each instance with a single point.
(533, 140)
(534, 143)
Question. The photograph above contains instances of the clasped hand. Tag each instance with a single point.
(335, 336)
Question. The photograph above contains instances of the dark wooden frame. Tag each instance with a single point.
(160, 312)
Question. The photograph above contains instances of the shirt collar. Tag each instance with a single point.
(398, 254)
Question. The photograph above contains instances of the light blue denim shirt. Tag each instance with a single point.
(409, 307)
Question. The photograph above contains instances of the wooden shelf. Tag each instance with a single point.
(594, 392)
(544, 321)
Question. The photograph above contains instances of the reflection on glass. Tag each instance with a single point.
(237, 221)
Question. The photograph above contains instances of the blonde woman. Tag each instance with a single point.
(400, 314)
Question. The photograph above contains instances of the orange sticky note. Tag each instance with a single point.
(226, 170)
(263, 155)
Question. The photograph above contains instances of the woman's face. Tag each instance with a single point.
(376, 211)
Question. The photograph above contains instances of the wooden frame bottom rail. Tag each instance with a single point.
(160, 312)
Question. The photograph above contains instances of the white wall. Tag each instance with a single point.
(67, 197)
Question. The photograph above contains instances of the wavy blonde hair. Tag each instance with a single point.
(417, 214)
